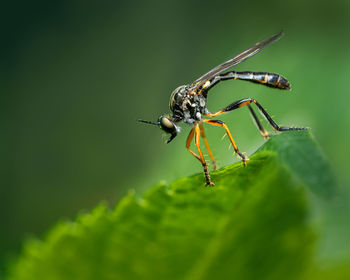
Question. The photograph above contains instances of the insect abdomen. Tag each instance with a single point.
(268, 79)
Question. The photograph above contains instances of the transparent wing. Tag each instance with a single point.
(237, 59)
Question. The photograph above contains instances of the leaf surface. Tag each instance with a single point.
(254, 224)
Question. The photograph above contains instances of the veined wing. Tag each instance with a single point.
(237, 59)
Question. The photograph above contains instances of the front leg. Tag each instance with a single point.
(195, 132)
(207, 146)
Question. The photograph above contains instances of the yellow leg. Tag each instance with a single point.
(195, 132)
(207, 146)
(188, 143)
(205, 166)
(222, 124)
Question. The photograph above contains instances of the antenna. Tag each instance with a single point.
(148, 122)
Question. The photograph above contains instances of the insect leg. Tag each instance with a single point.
(207, 146)
(196, 133)
(222, 124)
(188, 143)
(262, 130)
(247, 101)
(269, 79)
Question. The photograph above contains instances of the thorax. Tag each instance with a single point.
(187, 105)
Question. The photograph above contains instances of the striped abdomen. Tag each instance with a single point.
(268, 79)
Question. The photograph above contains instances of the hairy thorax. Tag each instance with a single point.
(187, 105)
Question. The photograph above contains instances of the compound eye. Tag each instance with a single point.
(167, 125)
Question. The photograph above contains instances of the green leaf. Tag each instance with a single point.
(300, 152)
(254, 224)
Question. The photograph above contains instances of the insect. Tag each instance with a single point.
(188, 104)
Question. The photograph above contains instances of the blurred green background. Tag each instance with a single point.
(75, 76)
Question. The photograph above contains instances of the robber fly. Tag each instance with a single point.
(188, 104)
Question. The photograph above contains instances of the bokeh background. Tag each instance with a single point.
(75, 76)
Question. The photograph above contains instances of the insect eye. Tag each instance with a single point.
(166, 124)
